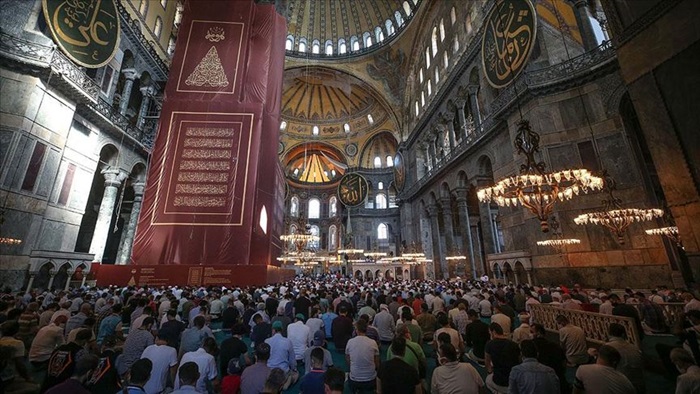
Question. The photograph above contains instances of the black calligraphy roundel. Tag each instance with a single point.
(509, 38)
(353, 189)
(87, 31)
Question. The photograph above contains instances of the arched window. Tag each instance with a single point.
(283, 125)
(389, 161)
(332, 207)
(143, 7)
(329, 48)
(389, 26)
(442, 30)
(382, 231)
(332, 237)
(294, 207)
(315, 47)
(367, 38)
(445, 59)
(314, 130)
(380, 186)
(433, 41)
(342, 48)
(422, 99)
(317, 242)
(380, 201)
(377, 162)
(314, 209)
(370, 119)
(158, 28)
(399, 18)
(470, 29)
(293, 229)
(456, 44)
(302, 45)
(417, 109)
(430, 88)
(437, 75)
(453, 15)
(346, 127)
(354, 44)
(378, 34)
(407, 8)
(289, 44)
(420, 75)
(427, 57)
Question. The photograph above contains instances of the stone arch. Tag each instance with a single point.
(388, 275)
(519, 270)
(358, 275)
(368, 275)
(377, 274)
(485, 166)
(508, 274)
(462, 179)
(444, 190)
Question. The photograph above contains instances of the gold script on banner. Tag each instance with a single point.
(509, 38)
(87, 31)
(209, 72)
(353, 189)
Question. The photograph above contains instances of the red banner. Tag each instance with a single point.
(214, 193)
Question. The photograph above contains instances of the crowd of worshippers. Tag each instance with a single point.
(151, 340)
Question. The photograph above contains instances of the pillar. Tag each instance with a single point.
(125, 255)
(584, 23)
(432, 152)
(459, 103)
(147, 92)
(449, 232)
(82, 283)
(451, 130)
(486, 223)
(129, 76)
(438, 261)
(113, 180)
(428, 159)
(32, 275)
(52, 276)
(479, 261)
(474, 106)
(70, 273)
(529, 276)
(464, 221)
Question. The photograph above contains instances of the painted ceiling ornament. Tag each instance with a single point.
(215, 34)
(353, 190)
(387, 69)
(508, 41)
(209, 72)
(87, 31)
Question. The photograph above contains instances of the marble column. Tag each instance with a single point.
(125, 255)
(459, 103)
(584, 22)
(113, 180)
(449, 123)
(450, 246)
(474, 106)
(52, 276)
(32, 275)
(486, 222)
(438, 261)
(70, 273)
(433, 153)
(464, 221)
(147, 92)
(529, 276)
(479, 262)
(440, 131)
(129, 76)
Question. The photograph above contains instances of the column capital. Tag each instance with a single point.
(138, 188)
(472, 89)
(445, 202)
(114, 176)
(448, 117)
(148, 90)
(130, 73)
(461, 194)
(433, 210)
(460, 103)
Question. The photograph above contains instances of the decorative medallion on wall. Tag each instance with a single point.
(87, 31)
(399, 172)
(351, 149)
(509, 38)
(353, 189)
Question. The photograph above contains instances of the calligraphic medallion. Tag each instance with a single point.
(399, 172)
(353, 189)
(87, 31)
(509, 38)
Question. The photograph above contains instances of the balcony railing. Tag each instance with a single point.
(74, 80)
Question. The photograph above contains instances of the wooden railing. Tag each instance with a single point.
(595, 325)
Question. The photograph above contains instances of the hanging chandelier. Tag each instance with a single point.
(614, 217)
(413, 252)
(534, 188)
(670, 232)
(558, 241)
(455, 255)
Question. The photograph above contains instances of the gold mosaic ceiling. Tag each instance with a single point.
(334, 21)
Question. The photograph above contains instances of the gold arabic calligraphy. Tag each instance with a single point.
(508, 41)
(352, 190)
(87, 30)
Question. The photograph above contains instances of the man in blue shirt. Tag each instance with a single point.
(328, 316)
(530, 376)
(282, 355)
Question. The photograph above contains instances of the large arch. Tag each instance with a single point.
(380, 146)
